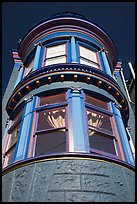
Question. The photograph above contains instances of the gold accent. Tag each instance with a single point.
(122, 102)
(62, 77)
(75, 77)
(108, 88)
(117, 94)
(99, 83)
(13, 100)
(50, 79)
(38, 83)
(20, 94)
(87, 79)
(28, 88)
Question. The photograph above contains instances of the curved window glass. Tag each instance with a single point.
(101, 130)
(11, 140)
(50, 131)
(55, 54)
(88, 57)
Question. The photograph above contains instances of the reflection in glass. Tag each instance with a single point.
(51, 119)
(58, 98)
(101, 142)
(96, 102)
(51, 142)
(98, 120)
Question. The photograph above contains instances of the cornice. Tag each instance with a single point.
(67, 72)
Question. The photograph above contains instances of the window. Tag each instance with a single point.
(102, 138)
(88, 57)
(13, 137)
(50, 133)
(55, 54)
(11, 140)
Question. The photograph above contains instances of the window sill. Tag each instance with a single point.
(90, 156)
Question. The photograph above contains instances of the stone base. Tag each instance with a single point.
(69, 180)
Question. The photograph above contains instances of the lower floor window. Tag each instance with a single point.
(100, 131)
(101, 142)
(50, 142)
(12, 142)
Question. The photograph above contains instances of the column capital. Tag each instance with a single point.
(103, 50)
(75, 89)
(39, 43)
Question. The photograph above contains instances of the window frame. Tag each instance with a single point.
(49, 107)
(52, 45)
(114, 135)
(9, 148)
(90, 61)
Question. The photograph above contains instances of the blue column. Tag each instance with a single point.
(105, 62)
(37, 57)
(123, 135)
(25, 130)
(20, 72)
(77, 125)
(73, 50)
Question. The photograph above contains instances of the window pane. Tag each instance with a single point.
(57, 60)
(98, 120)
(87, 62)
(51, 119)
(51, 142)
(100, 142)
(52, 99)
(96, 102)
(56, 51)
(88, 54)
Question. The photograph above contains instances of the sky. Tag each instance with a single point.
(116, 18)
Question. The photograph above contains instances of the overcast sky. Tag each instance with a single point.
(117, 19)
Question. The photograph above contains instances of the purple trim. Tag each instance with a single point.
(31, 160)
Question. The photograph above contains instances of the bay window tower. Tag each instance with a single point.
(67, 114)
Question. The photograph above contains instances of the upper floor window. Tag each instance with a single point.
(88, 57)
(55, 54)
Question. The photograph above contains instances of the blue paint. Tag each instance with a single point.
(105, 63)
(69, 52)
(88, 46)
(56, 42)
(37, 58)
(78, 53)
(20, 75)
(123, 135)
(67, 34)
(24, 135)
(41, 58)
(73, 50)
(78, 137)
(101, 62)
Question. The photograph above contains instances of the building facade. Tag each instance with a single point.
(66, 117)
